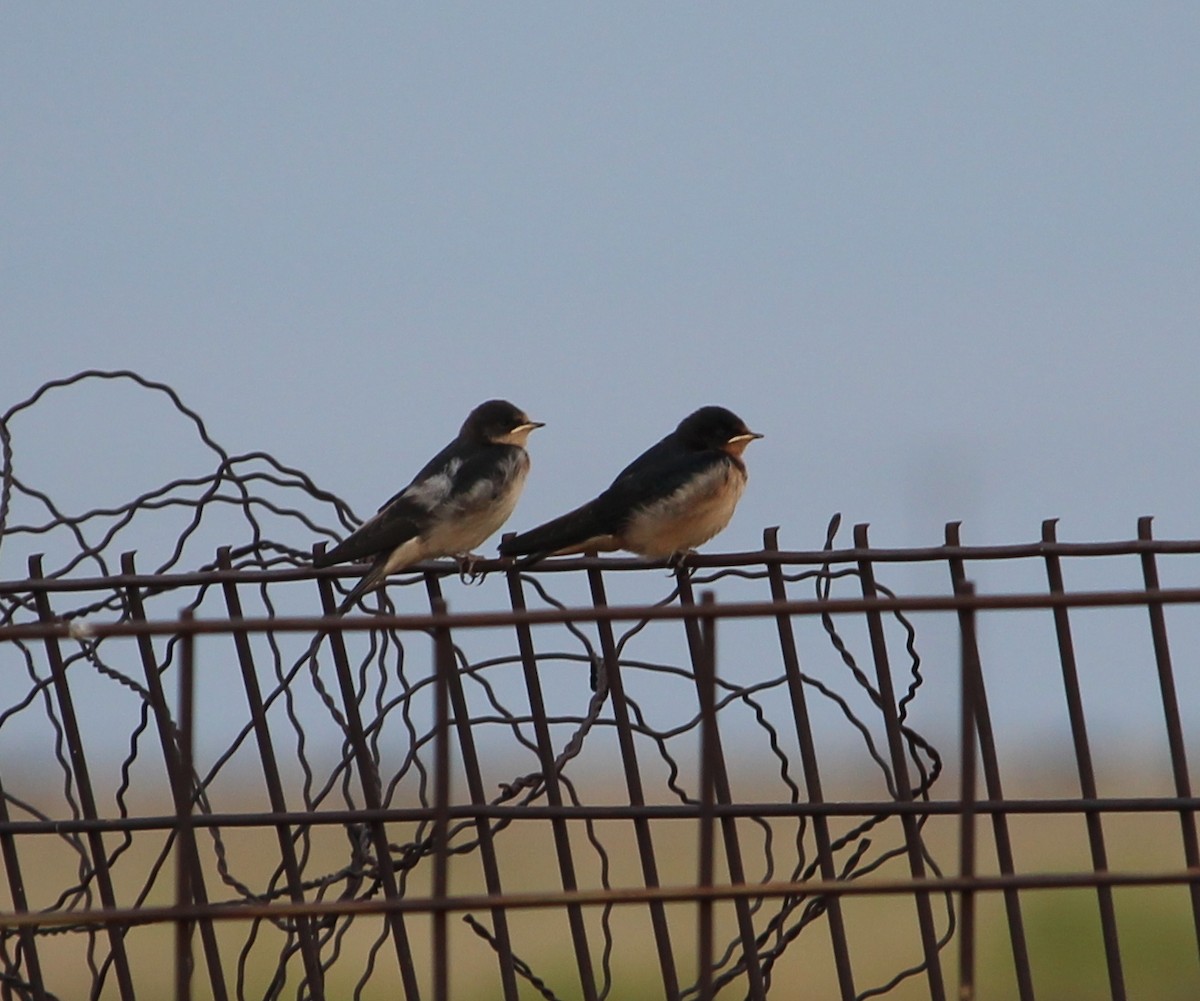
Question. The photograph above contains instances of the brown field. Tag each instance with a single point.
(1158, 938)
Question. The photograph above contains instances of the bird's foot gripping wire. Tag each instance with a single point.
(677, 562)
(466, 568)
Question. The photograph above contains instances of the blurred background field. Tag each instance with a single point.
(1157, 937)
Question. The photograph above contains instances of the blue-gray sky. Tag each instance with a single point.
(946, 257)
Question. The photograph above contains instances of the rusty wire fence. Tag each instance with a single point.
(777, 773)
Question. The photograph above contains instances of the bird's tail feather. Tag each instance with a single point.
(369, 581)
(569, 532)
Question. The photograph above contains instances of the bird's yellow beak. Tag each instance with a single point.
(737, 444)
(520, 434)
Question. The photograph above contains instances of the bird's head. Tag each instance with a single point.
(498, 422)
(716, 427)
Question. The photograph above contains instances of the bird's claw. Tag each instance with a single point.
(677, 562)
(466, 568)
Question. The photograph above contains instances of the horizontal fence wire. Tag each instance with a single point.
(841, 772)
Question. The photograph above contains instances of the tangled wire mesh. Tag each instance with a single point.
(275, 734)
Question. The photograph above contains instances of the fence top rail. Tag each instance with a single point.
(816, 558)
(423, 622)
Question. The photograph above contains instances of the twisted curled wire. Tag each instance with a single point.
(250, 486)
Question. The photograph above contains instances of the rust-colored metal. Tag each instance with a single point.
(597, 745)
(186, 855)
(80, 775)
(452, 681)
(706, 687)
(612, 680)
(1085, 766)
(1171, 717)
(968, 709)
(901, 782)
(981, 727)
(554, 792)
(825, 887)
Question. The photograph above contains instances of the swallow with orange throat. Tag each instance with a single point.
(671, 499)
(460, 497)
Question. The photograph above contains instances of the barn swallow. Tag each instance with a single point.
(673, 497)
(461, 496)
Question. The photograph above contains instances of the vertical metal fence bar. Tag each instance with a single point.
(309, 952)
(26, 936)
(969, 697)
(995, 791)
(724, 796)
(706, 686)
(812, 771)
(979, 767)
(368, 775)
(554, 797)
(633, 783)
(483, 828)
(180, 779)
(1174, 723)
(1083, 759)
(904, 793)
(443, 665)
(185, 839)
(83, 782)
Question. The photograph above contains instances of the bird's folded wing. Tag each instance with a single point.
(383, 532)
(403, 516)
(653, 476)
(459, 477)
(570, 531)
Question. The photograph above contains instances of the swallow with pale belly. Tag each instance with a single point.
(672, 498)
(461, 496)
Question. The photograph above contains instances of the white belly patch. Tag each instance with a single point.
(461, 524)
(687, 518)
